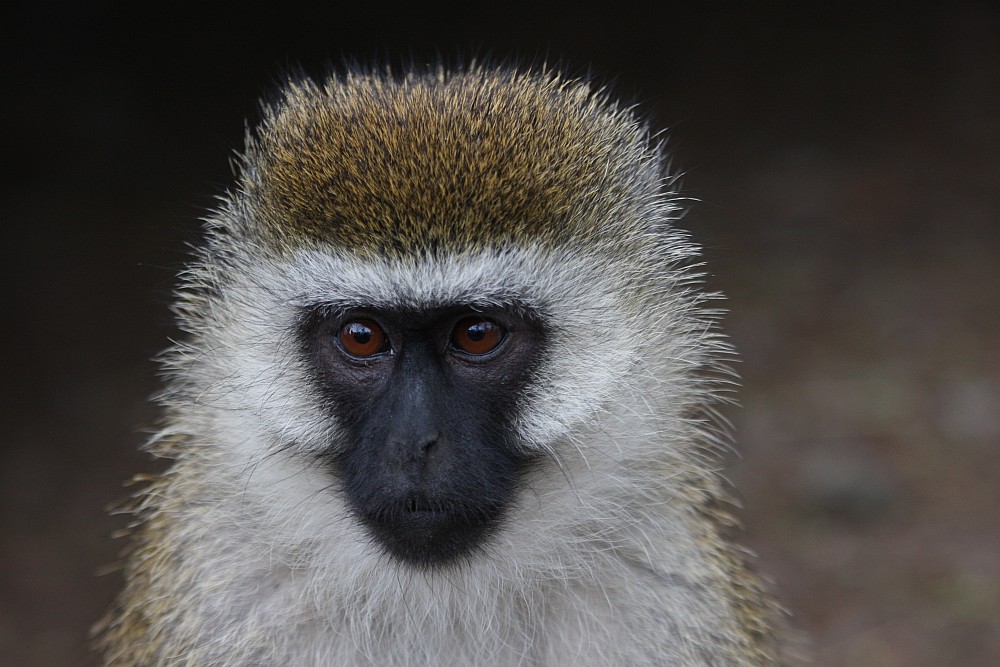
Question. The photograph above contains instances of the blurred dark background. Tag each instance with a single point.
(847, 165)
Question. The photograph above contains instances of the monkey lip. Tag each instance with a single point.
(420, 505)
(428, 531)
(433, 517)
(421, 509)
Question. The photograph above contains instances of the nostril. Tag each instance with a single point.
(411, 448)
(429, 442)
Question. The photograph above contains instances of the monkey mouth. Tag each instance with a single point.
(428, 531)
(419, 505)
(429, 512)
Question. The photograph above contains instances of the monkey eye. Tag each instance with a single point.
(477, 335)
(362, 339)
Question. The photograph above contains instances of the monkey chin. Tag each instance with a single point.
(428, 533)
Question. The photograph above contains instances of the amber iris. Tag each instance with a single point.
(362, 338)
(477, 335)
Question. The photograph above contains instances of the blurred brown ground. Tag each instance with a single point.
(848, 172)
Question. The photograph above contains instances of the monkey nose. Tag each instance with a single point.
(415, 447)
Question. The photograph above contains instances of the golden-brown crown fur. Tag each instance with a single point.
(407, 164)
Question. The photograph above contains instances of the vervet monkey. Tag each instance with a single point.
(445, 396)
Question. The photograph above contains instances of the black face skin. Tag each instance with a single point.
(430, 464)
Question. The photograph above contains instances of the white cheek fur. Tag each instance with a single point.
(261, 374)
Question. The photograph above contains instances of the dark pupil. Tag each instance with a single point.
(477, 332)
(360, 333)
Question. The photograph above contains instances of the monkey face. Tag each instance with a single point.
(444, 345)
(427, 401)
(473, 296)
